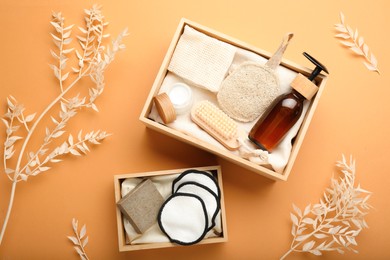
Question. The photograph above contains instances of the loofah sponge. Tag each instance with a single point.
(248, 91)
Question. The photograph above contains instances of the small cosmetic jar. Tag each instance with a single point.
(165, 108)
(181, 97)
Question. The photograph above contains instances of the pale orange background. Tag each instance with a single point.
(352, 118)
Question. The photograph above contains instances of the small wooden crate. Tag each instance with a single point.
(320, 81)
(118, 179)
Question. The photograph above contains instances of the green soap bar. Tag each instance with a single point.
(141, 205)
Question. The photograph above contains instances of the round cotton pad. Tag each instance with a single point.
(210, 199)
(200, 177)
(183, 218)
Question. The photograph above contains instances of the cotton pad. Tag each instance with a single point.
(200, 177)
(183, 218)
(210, 199)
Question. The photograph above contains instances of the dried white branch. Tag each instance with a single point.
(351, 39)
(14, 118)
(80, 240)
(334, 223)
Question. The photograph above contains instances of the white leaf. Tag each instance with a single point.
(56, 25)
(302, 238)
(342, 35)
(294, 219)
(54, 55)
(23, 176)
(78, 250)
(342, 240)
(67, 34)
(355, 36)
(352, 240)
(320, 236)
(69, 27)
(334, 230)
(361, 41)
(373, 60)
(94, 107)
(81, 148)
(83, 231)
(57, 134)
(308, 246)
(9, 153)
(293, 230)
(65, 76)
(55, 37)
(83, 30)
(308, 221)
(5, 122)
(75, 70)
(70, 140)
(347, 43)
(341, 28)
(74, 224)
(30, 118)
(316, 252)
(86, 147)
(85, 242)
(349, 29)
(74, 152)
(9, 171)
(74, 240)
(297, 210)
(43, 169)
(369, 66)
(12, 140)
(357, 50)
(342, 17)
(54, 121)
(67, 41)
(81, 39)
(10, 104)
(78, 55)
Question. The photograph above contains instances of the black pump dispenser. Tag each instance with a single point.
(319, 67)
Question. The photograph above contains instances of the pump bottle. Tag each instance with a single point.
(285, 110)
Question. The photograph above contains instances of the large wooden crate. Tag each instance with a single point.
(264, 171)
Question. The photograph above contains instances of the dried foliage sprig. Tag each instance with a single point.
(334, 223)
(354, 42)
(92, 63)
(79, 240)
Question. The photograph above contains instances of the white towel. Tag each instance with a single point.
(201, 60)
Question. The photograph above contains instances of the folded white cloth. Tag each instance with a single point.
(201, 60)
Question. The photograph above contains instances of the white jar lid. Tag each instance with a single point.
(181, 97)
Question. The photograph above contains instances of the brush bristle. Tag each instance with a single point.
(216, 119)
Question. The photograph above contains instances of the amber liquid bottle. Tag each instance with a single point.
(275, 123)
(285, 111)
